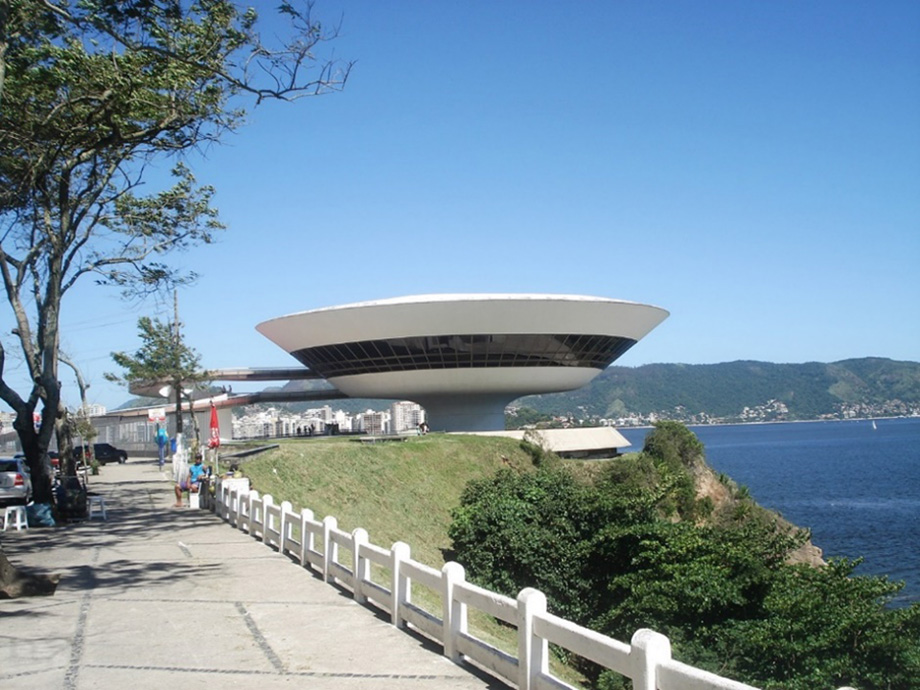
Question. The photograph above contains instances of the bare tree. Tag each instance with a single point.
(71, 425)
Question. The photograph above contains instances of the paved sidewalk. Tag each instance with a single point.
(160, 597)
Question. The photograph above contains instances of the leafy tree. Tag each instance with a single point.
(163, 359)
(682, 579)
(629, 549)
(91, 92)
(674, 444)
(520, 530)
(825, 627)
(676, 452)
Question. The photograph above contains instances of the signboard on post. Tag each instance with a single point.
(156, 414)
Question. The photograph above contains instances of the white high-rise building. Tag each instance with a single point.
(406, 416)
(95, 410)
(372, 422)
(324, 413)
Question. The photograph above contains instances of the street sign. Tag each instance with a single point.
(156, 414)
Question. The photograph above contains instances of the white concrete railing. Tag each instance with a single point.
(646, 661)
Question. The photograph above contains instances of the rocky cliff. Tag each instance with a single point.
(730, 502)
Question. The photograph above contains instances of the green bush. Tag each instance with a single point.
(629, 550)
(517, 529)
(673, 444)
(825, 627)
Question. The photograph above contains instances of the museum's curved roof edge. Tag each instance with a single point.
(470, 297)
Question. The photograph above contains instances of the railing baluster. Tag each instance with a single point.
(454, 611)
(400, 589)
(360, 567)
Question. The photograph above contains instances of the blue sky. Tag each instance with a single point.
(752, 167)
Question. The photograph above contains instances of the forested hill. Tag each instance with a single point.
(741, 391)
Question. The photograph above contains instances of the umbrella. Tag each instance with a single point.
(214, 441)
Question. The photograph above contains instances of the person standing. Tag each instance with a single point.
(162, 439)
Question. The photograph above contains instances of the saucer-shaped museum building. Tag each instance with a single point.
(463, 357)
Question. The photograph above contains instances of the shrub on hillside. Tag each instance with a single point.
(629, 550)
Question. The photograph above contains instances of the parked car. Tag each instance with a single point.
(103, 452)
(15, 482)
(53, 455)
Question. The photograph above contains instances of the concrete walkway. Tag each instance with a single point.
(158, 597)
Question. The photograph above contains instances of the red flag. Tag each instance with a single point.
(214, 441)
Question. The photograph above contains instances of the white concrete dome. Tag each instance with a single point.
(463, 357)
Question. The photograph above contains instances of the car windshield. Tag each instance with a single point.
(9, 466)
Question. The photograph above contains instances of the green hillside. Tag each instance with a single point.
(706, 392)
(397, 491)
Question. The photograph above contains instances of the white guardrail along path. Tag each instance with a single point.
(646, 660)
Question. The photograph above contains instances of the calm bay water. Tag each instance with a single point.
(856, 488)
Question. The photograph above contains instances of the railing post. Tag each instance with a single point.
(223, 499)
(532, 650)
(253, 495)
(243, 510)
(330, 550)
(400, 587)
(454, 611)
(219, 500)
(651, 649)
(286, 508)
(267, 502)
(231, 506)
(227, 507)
(306, 535)
(236, 500)
(360, 567)
(235, 509)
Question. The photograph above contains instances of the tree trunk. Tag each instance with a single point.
(36, 457)
(178, 387)
(195, 440)
(65, 434)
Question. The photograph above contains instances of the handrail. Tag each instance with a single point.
(646, 660)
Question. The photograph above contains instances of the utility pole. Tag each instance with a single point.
(177, 337)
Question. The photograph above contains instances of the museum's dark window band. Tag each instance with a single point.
(463, 352)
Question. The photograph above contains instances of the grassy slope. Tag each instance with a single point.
(397, 491)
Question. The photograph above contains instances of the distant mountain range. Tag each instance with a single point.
(741, 391)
